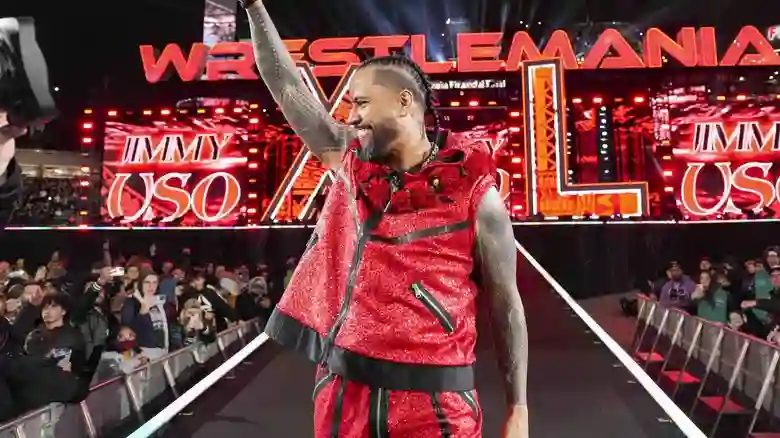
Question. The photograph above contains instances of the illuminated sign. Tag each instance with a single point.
(773, 33)
(476, 52)
(172, 174)
(730, 165)
(548, 191)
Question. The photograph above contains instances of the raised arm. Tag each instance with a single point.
(498, 257)
(324, 136)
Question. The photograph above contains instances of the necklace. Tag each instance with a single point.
(431, 155)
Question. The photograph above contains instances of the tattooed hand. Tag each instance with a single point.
(498, 259)
(325, 137)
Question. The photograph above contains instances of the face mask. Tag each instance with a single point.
(126, 345)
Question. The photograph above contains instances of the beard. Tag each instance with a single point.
(376, 141)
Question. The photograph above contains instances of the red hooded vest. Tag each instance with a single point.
(383, 294)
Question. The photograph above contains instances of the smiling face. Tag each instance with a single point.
(387, 110)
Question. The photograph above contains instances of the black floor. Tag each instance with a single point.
(576, 386)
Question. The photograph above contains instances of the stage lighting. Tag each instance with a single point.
(576, 100)
(598, 100)
(165, 112)
(639, 99)
(112, 113)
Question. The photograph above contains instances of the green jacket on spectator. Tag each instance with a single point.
(763, 288)
(716, 307)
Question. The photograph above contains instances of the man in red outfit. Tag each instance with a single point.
(384, 297)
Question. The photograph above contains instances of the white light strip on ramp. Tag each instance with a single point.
(683, 422)
(150, 427)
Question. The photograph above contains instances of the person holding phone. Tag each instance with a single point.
(144, 312)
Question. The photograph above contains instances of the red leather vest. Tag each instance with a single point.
(384, 293)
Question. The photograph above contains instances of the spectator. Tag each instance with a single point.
(677, 290)
(122, 356)
(50, 368)
(47, 201)
(144, 312)
(210, 301)
(198, 325)
(712, 302)
(770, 305)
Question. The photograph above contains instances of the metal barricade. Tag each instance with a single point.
(733, 373)
(112, 402)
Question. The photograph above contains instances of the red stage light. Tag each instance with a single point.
(253, 150)
(517, 160)
(87, 125)
(251, 210)
(639, 99)
(252, 195)
(201, 111)
(667, 158)
(88, 111)
(598, 100)
(252, 180)
(514, 129)
(219, 111)
(254, 120)
(85, 169)
(112, 113)
(86, 140)
(147, 112)
(514, 114)
(84, 183)
(237, 110)
(576, 100)
(668, 189)
(453, 103)
(474, 103)
(667, 173)
(253, 165)
(165, 112)
(492, 103)
(741, 97)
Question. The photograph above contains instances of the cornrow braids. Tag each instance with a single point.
(423, 82)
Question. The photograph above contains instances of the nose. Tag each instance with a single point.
(354, 118)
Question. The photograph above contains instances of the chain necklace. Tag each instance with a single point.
(431, 155)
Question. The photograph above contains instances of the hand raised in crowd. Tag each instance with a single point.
(105, 276)
(144, 302)
(747, 304)
(698, 292)
(35, 297)
(41, 273)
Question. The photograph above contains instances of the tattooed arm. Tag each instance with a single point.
(325, 138)
(498, 257)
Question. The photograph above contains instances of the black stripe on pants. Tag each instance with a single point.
(377, 414)
(441, 417)
(338, 410)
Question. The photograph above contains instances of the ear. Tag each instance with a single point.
(406, 99)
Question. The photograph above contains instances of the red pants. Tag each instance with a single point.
(344, 409)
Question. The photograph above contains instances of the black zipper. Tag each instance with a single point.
(364, 237)
(433, 305)
(321, 384)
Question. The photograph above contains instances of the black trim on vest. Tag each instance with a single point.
(421, 234)
(441, 416)
(338, 410)
(375, 373)
(379, 402)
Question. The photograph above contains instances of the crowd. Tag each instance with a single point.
(745, 296)
(47, 201)
(62, 331)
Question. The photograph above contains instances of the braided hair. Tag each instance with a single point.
(424, 89)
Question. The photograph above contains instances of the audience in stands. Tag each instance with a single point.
(747, 300)
(62, 330)
(47, 201)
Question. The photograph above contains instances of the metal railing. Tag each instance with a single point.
(712, 358)
(113, 402)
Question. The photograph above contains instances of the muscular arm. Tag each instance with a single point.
(325, 138)
(498, 257)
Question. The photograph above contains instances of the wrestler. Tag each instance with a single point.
(384, 298)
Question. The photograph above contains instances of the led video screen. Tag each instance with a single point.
(727, 158)
(181, 169)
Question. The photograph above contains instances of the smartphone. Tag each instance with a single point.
(118, 271)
